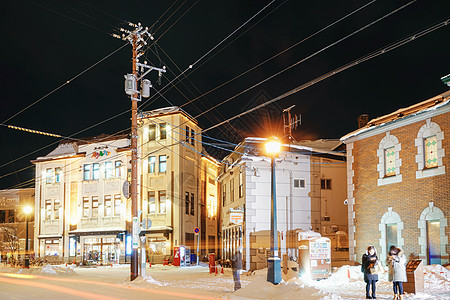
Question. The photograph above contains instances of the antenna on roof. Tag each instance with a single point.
(290, 122)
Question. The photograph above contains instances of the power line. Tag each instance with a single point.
(340, 69)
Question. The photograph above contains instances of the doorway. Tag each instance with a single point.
(433, 242)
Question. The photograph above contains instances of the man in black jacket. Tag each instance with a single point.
(236, 266)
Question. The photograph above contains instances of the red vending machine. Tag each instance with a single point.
(176, 256)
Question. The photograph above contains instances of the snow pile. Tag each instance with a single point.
(437, 279)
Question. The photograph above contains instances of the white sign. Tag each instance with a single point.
(135, 233)
(237, 217)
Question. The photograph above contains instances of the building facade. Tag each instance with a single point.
(310, 191)
(13, 224)
(398, 182)
(178, 191)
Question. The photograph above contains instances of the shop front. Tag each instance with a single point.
(101, 250)
(158, 245)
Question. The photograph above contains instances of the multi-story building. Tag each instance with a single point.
(81, 212)
(398, 182)
(310, 193)
(178, 188)
(13, 223)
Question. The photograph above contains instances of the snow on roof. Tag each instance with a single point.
(402, 113)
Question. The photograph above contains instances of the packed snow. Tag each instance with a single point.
(345, 282)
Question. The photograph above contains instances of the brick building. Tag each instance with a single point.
(398, 182)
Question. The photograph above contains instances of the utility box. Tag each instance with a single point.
(314, 259)
(414, 275)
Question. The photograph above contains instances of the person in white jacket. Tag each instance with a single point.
(397, 270)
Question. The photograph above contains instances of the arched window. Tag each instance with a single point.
(391, 227)
(429, 150)
(389, 161)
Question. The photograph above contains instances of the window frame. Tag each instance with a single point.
(107, 212)
(86, 172)
(117, 205)
(57, 174)
(95, 171)
(152, 132)
(49, 176)
(151, 165)
(162, 164)
(151, 195)
(163, 131)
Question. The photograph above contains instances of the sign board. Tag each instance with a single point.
(135, 233)
(146, 223)
(237, 217)
(126, 189)
(196, 230)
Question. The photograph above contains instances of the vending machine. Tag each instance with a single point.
(314, 259)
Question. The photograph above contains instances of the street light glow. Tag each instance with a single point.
(273, 146)
(27, 210)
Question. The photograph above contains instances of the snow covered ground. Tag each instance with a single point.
(163, 282)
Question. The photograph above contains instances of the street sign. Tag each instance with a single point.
(237, 217)
(146, 223)
(135, 233)
(196, 230)
(126, 189)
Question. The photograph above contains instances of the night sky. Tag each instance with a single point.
(46, 43)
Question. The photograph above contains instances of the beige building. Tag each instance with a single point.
(178, 191)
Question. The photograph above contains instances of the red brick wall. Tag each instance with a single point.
(407, 198)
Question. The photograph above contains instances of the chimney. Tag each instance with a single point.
(363, 120)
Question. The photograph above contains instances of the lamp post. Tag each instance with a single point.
(27, 210)
(273, 147)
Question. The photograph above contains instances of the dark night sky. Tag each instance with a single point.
(46, 43)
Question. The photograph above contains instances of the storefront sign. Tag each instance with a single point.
(98, 154)
(8, 202)
(237, 217)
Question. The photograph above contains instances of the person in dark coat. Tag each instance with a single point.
(369, 259)
(397, 271)
(236, 266)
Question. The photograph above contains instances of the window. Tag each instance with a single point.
(151, 132)
(241, 185)
(325, 184)
(117, 167)
(162, 163)
(108, 169)
(162, 131)
(48, 209)
(187, 133)
(86, 172)
(187, 202)
(389, 161)
(151, 164)
(151, 203)
(162, 202)
(94, 206)
(107, 206)
(117, 205)
(57, 174)
(299, 183)
(85, 207)
(48, 176)
(56, 206)
(95, 171)
(232, 190)
(431, 158)
(192, 137)
(192, 204)
(224, 195)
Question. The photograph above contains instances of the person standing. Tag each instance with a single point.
(397, 271)
(236, 266)
(369, 259)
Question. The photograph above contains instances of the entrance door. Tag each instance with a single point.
(391, 235)
(434, 242)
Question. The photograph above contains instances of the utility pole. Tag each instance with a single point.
(138, 40)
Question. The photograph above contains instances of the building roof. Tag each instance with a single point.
(166, 111)
(433, 103)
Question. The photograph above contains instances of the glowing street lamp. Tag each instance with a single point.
(27, 210)
(273, 147)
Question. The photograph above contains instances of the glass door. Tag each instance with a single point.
(434, 242)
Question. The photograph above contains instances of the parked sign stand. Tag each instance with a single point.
(196, 231)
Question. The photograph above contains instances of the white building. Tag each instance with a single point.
(310, 193)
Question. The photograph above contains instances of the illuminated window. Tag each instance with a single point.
(389, 161)
(151, 202)
(107, 206)
(117, 167)
(151, 132)
(57, 174)
(151, 164)
(108, 169)
(86, 172)
(162, 131)
(56, 206)
(94, 206)
(117, 205)
(162, 202)
(211, 206)
(162, 163)
(85, 207)
(431, 157)
(48, 176)
(95, 171)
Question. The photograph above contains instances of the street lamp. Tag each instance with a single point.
(273, 147)
(27, 210)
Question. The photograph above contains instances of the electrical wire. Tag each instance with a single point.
(168, 18)
(340, 69)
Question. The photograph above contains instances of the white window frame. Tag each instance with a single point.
(300, 180)
(387, 142)
(427, 130)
